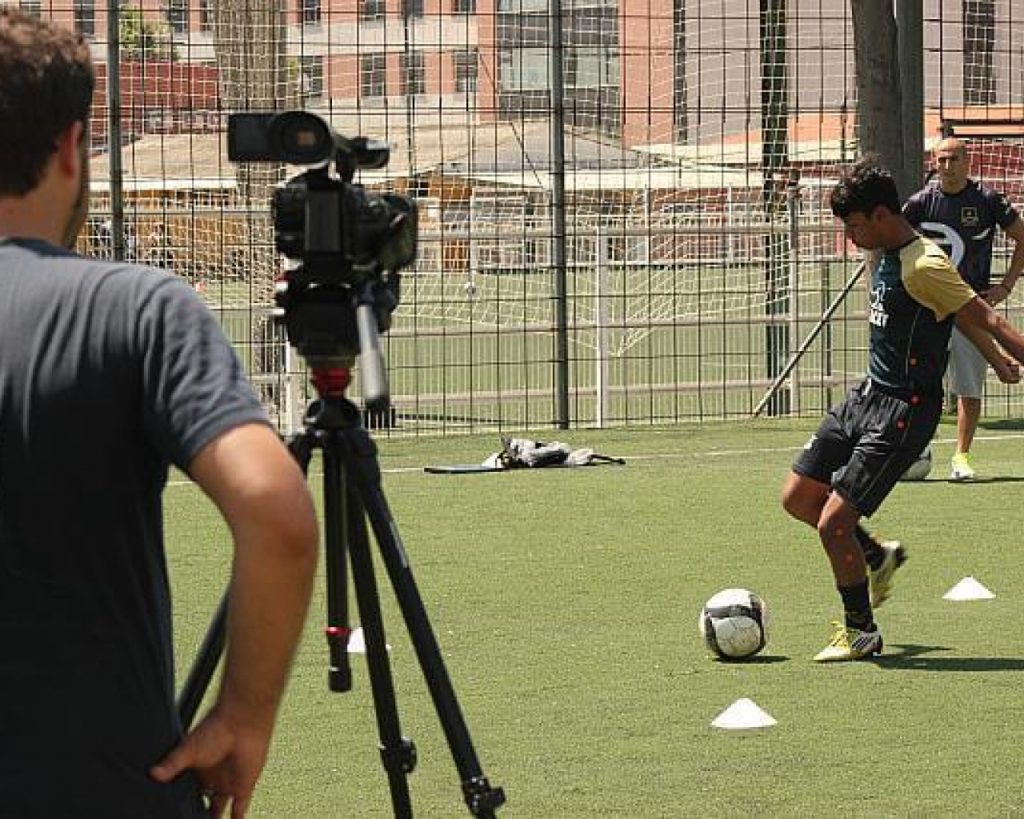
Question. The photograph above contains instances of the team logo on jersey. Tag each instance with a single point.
(969, 217)
(945, 237)
(876, 310)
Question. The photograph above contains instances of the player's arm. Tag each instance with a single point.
(262, 494)
(1005, 368)
(984, 326)
(1001, 291)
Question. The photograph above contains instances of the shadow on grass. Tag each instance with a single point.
(760, 659)
(979, 481)
(912, 657)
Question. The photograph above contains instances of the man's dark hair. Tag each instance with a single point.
(46, 85)
(866, 186)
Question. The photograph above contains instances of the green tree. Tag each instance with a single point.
(142, 39)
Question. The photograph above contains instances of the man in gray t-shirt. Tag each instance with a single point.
(109, 374)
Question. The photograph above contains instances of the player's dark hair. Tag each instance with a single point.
(46, 85)
(865, 187)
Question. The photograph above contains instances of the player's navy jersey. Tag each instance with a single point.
(962, 224)
(915, 292)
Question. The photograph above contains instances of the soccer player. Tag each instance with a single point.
(961, 216)
(863, 446)
(109, 374)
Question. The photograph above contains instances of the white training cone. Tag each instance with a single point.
(357, 642)
(743, 714)
(968, 589)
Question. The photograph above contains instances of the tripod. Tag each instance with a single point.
(352, 493)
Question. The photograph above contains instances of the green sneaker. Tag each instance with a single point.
(881, 578)
(961, 468)
(850, 644)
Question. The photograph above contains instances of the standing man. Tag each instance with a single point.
(864, 445)
(109, 374)
(961, 216)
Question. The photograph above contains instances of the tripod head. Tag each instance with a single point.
(331, 326)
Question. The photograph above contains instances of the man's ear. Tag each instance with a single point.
(69, 149)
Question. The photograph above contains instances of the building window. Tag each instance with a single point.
(592, 67)
(177, 15)
(33, 7)
(979, 44)
(413, 73)
(373, 10)
(311, 76)
(525, 69)
(466, 66)
(412, 8)
(522, 5)
(85, 17)
(310, 12)
(373, 75)
(463, 6)
(205, 16)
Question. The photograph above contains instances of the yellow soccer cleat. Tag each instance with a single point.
(850, 644)
(961, 468)
(882, 577)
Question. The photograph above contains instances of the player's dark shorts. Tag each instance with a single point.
(865, 444)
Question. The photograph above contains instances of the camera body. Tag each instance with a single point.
(338, 231)
(345, 245)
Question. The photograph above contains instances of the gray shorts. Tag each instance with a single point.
(967, 367)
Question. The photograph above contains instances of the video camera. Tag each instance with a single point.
(346, 245)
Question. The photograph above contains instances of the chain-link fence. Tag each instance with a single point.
(623, 206)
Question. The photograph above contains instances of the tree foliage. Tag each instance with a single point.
(142, 39)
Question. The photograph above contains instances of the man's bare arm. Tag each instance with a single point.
(263, 496)
(984, 326)
(1000, 291)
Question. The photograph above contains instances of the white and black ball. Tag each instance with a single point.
(734, 624)
(921, 468)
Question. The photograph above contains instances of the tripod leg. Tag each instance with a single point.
(398, 754)
(480, 797)
(336, 536)
(205, 664)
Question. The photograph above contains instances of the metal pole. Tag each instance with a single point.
(558, 256)
(114, 127)
(774, 161)
(602, 389)
(793, 202)
(822, 322)
(910, 28)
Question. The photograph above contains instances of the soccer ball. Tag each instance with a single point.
(734, 624)
(920, 468)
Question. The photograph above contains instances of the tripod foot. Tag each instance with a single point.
(481, 798)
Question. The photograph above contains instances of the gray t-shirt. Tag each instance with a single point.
(109, 373)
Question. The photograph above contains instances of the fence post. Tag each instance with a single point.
(558, 257)
(601, 388)
(114, 128)
(774, 158)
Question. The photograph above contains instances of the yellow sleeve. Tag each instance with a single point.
(931, 279)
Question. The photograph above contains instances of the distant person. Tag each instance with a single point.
(109, 374)
(961, 216)
(864, 445)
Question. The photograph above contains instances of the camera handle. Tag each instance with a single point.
(371, 360)
(353, 494)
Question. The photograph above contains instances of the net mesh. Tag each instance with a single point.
(679, 184)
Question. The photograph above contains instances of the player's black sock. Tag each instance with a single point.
(874, 554)
(857, 606)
